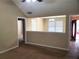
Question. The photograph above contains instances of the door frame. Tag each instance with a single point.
(23, 19)
(70, 24)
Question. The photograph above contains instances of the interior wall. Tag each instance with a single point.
(8, 24)
(60, 40)
(45, 25)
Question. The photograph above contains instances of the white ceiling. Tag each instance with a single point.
(49, 7)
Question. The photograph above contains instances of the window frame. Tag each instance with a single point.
(63, 31)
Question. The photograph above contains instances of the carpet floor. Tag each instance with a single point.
(36, 52)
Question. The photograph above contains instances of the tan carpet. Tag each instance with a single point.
(35, 52)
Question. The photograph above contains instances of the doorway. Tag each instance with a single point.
(74, 27)
(21, 30)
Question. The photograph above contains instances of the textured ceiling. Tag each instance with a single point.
(49, 7)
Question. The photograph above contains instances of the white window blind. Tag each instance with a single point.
(56, 26)
(34, 22)
(51, 26)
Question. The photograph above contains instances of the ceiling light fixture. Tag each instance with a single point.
(23, 0)
(34, 0)
(39, 0)
(28, 1)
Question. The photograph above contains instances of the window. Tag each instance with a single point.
(51, 25)
(34, 25)
(55, 25)
(47, 24)
(37, 24)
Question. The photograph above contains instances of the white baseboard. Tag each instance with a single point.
(48, 46)
(8, 49)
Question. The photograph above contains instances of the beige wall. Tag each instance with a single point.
(45, 25)
(60, 40)
(8, 24)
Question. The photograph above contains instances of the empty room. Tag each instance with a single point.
(39, 29)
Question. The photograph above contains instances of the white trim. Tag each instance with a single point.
(48, 46)
(8, 49)
(70, 28)
(25, 30)
(17, 31)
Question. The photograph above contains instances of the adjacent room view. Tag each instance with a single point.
(21, 30)
(75, 27)
(74, 30)
(39, 29)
